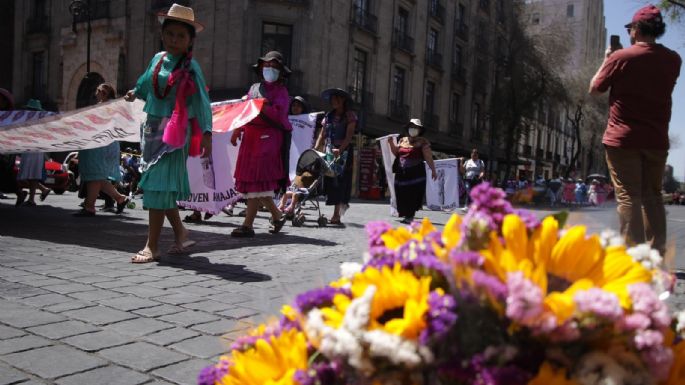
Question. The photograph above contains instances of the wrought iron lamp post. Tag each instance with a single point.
(80, 11)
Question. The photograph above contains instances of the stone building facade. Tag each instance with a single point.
(398, 58)
(551, 142)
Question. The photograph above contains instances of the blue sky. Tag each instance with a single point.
(620, 12)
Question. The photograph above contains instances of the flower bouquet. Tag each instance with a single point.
(497, 297)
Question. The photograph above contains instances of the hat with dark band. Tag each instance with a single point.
(271, 56)
(183, 14)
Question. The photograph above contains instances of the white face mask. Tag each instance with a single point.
(414, 132)
(270, 74)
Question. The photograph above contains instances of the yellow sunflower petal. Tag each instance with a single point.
(425, 229)
(544, 239)
(395, 238)
(451, 234)
(515, 235)
(562, 303)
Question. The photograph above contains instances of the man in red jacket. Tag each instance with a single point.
(640, 80)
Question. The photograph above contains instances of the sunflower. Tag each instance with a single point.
(562, 266)
(399, 304)
(548, 375)
(394, 238)
(271, 361)
(450, 238)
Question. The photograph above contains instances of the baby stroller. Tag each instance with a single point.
(314, 163)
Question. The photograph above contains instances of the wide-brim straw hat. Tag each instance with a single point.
(415, 123)
(327, 94)
(270, 56)
(183, 14)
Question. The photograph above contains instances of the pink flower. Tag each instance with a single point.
(599, 302)
(648, 339)
(636, 321)
(524, 299)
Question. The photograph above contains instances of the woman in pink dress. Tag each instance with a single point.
(569, 193)
(260, 168)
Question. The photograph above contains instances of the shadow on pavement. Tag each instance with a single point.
(202, 265)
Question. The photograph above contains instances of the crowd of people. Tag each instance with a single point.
(178, 124)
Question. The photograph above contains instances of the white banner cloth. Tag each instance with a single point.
(388, 159)
(89, 127)
(443, 192)
(211, 182)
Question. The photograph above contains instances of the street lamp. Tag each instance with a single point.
(80, 11)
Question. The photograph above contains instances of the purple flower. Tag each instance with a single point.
(659, 360)
(319, 373)
(646, 301)
(317, 298)
(471, 258)
(490, 284)
(374, 230)
(599, 302)
(441, 316)
(524, 300)
(211, 375)
(414, 255)
(648, 339)
(531, 221)
(490, 206)
(635, 321)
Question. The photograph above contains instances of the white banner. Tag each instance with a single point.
(443, 192)
(211, 181)
(89, 127)
(388, 159)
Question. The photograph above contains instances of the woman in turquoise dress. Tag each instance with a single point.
(98, 167)
(165, 177)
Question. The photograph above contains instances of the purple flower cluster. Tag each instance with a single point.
(246, 342)
(318, 298)
(319, 373)
(441, 316)
(490, 203)
(489, 283)
(374, 230)
(413, 255)
(212, 375)
(599, 302)
(524, 299)
(646, 301)
(479, 371)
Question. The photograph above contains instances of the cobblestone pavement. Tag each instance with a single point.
(74, 310)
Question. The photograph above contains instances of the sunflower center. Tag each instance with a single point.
(558, 284)
(391, 314)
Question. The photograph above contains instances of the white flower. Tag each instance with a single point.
(644, 254)
(680, 326)
(617, 366)
(349, 269)
(396, 349)
(610, 237)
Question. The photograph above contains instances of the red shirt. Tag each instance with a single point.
(641, 78)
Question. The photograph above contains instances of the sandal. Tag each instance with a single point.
(144, 256)
(193, 218)
(243, 232)
(182, 248)
(277, 225)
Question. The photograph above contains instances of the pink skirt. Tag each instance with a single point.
(259, 166)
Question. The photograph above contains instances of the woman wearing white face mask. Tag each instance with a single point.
(262, 167)
(410, 174)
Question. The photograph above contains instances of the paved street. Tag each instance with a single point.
(74, 310)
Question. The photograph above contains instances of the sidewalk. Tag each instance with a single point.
(76, 311)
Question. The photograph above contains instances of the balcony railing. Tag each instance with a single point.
(456, 129)
(38, 25)
(436, 11)
(399, 111)
(462, 31)
(401, 40)
(434, 59)
(364, 19)
(430, 119)
(363, 99)
(458, 74)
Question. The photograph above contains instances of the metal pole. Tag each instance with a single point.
(88, 47)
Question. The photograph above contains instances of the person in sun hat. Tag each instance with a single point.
(335, 138)
(640, 80)
(178, 124)
(262, 166)
(411, 150)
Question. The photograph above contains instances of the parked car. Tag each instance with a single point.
(56, 176)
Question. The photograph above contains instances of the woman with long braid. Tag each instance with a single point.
(178, 124)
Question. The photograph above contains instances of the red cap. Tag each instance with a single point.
(647, 13)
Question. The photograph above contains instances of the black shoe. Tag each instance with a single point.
(243, 232)
(121, 206)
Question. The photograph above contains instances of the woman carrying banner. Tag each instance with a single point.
(261, 168)
(31, 169)
(178, 124)
(411, 150)
(100, 166)
(335, 138)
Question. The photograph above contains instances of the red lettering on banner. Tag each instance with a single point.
(81, 126)
(97, 119)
